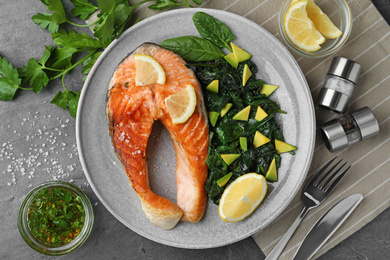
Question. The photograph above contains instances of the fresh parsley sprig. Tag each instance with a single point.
(72, 49)
(165, 4)
(10, 80)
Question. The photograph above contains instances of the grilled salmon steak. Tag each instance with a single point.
(131, 111)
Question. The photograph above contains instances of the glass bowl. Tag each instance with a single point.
(338, 12)
(80, 235)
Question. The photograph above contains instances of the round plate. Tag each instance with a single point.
(103, 169)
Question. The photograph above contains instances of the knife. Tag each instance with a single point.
(326, 226)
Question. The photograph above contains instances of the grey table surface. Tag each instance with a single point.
(37, 143)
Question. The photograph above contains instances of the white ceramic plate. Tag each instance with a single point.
(106, 176)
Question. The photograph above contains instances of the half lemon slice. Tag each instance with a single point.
(242, 197)
(148, 71)
(181, 105)
(300, 29)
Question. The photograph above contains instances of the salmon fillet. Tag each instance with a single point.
(131, 111)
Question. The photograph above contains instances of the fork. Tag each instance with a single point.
(314, 193)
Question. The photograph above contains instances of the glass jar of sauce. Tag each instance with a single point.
(55, 218)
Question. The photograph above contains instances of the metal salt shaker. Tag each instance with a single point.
(349, 129)
(339, 84)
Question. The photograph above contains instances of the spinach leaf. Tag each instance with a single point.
(213, 30)
(193, 48)
(229, 132)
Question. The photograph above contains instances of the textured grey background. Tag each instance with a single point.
(37, 143)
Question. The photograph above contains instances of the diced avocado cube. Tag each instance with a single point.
(213, 86)
(226, 109)
(260, 114)
(283, 147)
(272, 173)
(213, 117)
(243, 115)
(240, 54)
(232, 60)
(229, 158)
(246, 74)
(260, 139)
(244, 143)
(222, 181)
(268, 89)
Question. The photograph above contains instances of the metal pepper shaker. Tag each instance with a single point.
(349, 129)
(339, 84)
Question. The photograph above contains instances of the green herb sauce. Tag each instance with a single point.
(55, 216)
(224, 137)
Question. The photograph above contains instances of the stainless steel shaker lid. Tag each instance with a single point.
(345, 68)
(366, 121)
(332, 100)
(334, 136)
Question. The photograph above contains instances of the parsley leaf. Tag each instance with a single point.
(166, 4)
(67, 99)
(83, 8)
(61, 57)
(10, 80)
(34, 71)
(35, 75)
(108, 6)
(112, 19)
(198, 2)
(76, 40)
(122, 16)
(51, 20)
(88, 63)
(104, 28)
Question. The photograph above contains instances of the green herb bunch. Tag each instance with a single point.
(72, 49)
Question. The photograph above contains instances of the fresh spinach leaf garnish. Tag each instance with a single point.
(193, 48)
(213, 30)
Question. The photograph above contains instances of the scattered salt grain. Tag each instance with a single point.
(41, 154)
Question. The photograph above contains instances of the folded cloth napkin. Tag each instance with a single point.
(369, 45)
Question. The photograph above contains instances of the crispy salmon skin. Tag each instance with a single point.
(131, 112)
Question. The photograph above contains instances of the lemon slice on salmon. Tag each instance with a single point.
(181, 105)
(242, 197)
(148, 71)
(300, 29)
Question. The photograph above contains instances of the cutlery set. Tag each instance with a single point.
(314, 193)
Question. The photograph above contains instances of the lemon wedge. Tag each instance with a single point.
(321, 21)
(148, 71)
(300, 29)
(242, 197)
(181, 105)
